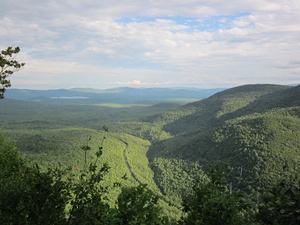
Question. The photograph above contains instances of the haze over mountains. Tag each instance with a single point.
(116, 95)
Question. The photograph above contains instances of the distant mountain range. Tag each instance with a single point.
(123, 95)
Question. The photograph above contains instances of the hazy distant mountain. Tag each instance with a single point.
(115, 95)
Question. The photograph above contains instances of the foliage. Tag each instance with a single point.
(8, 65)
(58, 196)
(167, 172)
(88, 205)
(281, 203)
(10, 161)
(139, 205)
(30, 196)
(69, 196)
(27, 195)
(213, 203)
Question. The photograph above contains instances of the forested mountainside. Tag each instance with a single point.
(252, 132)
(254, 129)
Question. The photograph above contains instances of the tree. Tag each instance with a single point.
(139, 205)
(28, 195)
(212, 203)
(8, 65)
(281, 203)
(88, 204)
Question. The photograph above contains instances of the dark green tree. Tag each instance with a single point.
(281, 203)
(212, 203)
(139, 205)
(8, 65)
(89, 205)
(10, 161)
(27, 195)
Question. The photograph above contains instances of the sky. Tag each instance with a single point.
(152, 43)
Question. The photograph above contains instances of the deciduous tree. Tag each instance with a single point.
(139, 205)
(211, 203)
(8, 65)
(281, 203)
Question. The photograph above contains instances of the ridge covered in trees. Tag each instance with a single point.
(255, 129)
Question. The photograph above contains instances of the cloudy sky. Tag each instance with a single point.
(152, 43)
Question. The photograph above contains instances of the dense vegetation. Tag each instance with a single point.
(66, 196)
(252, 130)
(255, 129)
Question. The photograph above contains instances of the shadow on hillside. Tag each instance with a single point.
(278, 99)
(205, 119)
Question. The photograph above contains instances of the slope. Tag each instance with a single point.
(52, 134)
(254, 129)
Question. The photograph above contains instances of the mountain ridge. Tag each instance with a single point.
(242, 99)
(121, 95)
(254, 128)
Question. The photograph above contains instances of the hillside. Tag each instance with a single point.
(254, 129)
(52, 134)
(225, 105)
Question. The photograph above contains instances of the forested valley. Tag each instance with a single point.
(230, 158)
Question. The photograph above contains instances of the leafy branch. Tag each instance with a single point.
(8, 65)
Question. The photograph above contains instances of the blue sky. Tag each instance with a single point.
(211, 23)
(152, 43)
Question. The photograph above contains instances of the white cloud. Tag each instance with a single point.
(168, 42)
(139, 83)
